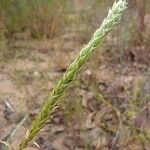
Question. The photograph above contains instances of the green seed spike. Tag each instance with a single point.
(113, 18)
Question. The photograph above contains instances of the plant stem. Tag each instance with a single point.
(108, 24)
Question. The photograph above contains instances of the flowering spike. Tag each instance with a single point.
(113, 18)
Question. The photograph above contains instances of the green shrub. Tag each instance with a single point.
(40, 17)
(14, 15)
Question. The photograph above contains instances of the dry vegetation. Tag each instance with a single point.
(108, 106)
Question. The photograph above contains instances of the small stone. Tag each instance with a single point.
(36, 74)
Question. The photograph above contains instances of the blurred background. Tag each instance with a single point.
(108, 106)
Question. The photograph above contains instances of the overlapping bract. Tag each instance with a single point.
(108, 24)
